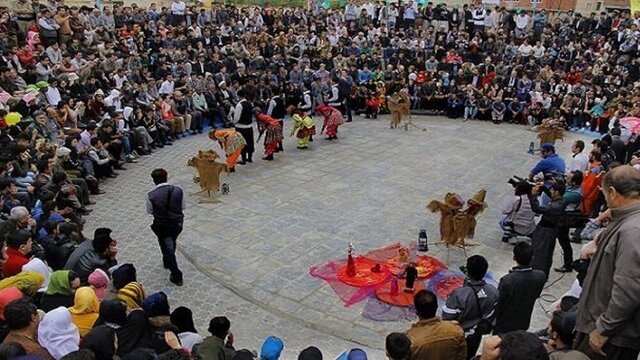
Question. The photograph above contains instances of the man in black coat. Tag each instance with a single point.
(518, 291)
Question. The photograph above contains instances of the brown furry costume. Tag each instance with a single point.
(208, 170)
(550, 130)
(465, 221)
(448, 210)
(399, 105)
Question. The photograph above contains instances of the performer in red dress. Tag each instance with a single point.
(332, 119)
(273, 132)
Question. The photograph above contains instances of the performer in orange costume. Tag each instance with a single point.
(332, 119)
(232, 142)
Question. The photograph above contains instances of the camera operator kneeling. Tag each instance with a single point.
(544, 235)
(517, 217)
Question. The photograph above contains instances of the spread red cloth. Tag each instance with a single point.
(330, 272)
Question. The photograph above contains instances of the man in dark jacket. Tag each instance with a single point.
(473, 305)
(100, 253)
(166, 203)
(518, 291)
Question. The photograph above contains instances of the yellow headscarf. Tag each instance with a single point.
(27, 281)
(84, 311)
(132, 294)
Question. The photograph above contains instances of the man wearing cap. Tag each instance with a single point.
(166, 203)
(549, 165)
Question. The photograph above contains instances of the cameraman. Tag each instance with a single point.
(517, 217)
(550, 166)
(574, 218)
(544, 235)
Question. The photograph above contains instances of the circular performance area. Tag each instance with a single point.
(284, 217)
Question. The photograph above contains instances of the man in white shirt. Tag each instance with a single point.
(167, 86)
(580, 160)
(178, 9)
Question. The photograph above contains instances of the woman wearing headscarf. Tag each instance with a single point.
(134, 330)
(6, 296)
(84, 311)
(182, 318)
(27, 281)
(40, 267)
(132, 295)
(99, 282)
(57, 334)
(103, 341)
(62, 285)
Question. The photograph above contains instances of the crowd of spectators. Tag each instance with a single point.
(84, 91)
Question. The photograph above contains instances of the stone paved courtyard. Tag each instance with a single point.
(248, 255)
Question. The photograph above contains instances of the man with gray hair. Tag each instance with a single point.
(608, 322)
(19, 219)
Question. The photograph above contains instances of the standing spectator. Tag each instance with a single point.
(518, 292)
(544, 235)
(473, 305)
(48, 28)
(433, 338)
(178, 9)
(608, 313)
(166, 203)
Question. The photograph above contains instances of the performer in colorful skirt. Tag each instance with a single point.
(231, 142)
(272, 130)
(332, 119)
(304, 125)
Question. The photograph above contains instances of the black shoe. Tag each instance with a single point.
(310, 139)
(349, 121)
(268, 157)
(113, 175)
(232, 170)
(241, 162)
(576, 240)
(564, 269)
(505, 239)
(250, 160)
(84, 211)
(329, 138)
(177, 282)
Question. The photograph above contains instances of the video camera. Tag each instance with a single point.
(515, 180)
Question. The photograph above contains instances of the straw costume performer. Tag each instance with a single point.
(231, 142)
(448, 211)
(207, 170)
(332, 119)
(465, 221)
(272, 131)
(550, 130)
(399, 105)
(304, 125)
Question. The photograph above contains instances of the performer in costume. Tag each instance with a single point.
(335, 100)
(272, 130)
(243, 120)
(332, 119)
(307, 104)
(208, 170)
(278, 111)
(231, 142)
(465, 222)
(399, 105)
(550, 130)
(304, 125)
(448, 210)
